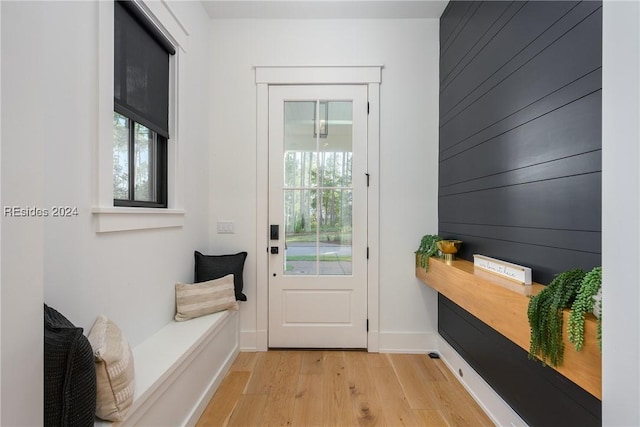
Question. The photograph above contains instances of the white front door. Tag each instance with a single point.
(318, 216)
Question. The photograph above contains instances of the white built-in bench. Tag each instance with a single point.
(179, 368)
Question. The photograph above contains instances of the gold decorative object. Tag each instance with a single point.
(449, 248)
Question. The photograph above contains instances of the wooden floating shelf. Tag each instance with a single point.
(502, 304)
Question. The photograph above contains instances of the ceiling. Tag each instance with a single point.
(324, 9)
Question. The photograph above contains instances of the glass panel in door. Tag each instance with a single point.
(318, 159)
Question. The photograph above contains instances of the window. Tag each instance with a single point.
(139, 164)
(141, 109)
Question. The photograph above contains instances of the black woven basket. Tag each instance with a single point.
(69, 373)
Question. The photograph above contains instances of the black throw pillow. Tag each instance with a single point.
(69, 373)
(209, 267)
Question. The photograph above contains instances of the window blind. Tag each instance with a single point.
(141, 69)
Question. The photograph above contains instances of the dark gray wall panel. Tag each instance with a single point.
(547, 104)
(571, 57)
(545, 139)
(527, 154)
(534, 27)
(483, 20)
(453, 20)
(539, 395)
(539, 171)
(569, 240)
(545, 257)
(568, 203)
(449, 72)
(520, 170)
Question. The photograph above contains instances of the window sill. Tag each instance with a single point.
(109, 219)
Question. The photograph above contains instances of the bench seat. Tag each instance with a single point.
(179, 368)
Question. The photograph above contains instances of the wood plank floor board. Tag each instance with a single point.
(264, 372)
(415, 380)
(221, 405)
(312, 362)
(248, 411)
(336, 394)
(432, 419)
(244, 362)
(309, 407)
(395, 405)
(435, 369)
(450, 393)
(280, 405)
(453, 412)
(364, 397)
(342, 389)
(378, 360)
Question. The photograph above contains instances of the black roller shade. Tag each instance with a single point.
(141, 69)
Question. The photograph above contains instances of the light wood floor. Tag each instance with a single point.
(340, 388)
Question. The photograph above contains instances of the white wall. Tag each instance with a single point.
(621, 213)
(0, 221)
(408, 50)
(22, 239)
(128, 276)
(49, 116)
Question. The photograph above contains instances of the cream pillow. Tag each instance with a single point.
(204, 298)
(114, 370)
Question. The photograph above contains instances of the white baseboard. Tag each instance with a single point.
(495, 407)
(251, 341)
(248, 341)
(407, 342)
(384, 342)
(373, 341)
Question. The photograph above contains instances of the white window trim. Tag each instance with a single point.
(265, 76)
(107, 217)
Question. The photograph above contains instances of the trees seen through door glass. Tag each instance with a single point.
(318, 159)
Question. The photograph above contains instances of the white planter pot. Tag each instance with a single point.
(596, 303)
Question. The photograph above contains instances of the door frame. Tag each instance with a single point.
(266, 76)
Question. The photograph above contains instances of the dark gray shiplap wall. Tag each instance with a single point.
(520, 171)
(540, 395)
(520, 132)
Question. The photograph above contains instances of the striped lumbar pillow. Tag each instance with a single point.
(204, 298)
(114, 370)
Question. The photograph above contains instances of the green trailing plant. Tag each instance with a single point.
(428, 248)
(545, 316)
(583, 304)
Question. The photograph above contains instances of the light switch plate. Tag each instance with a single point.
(225, 227)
